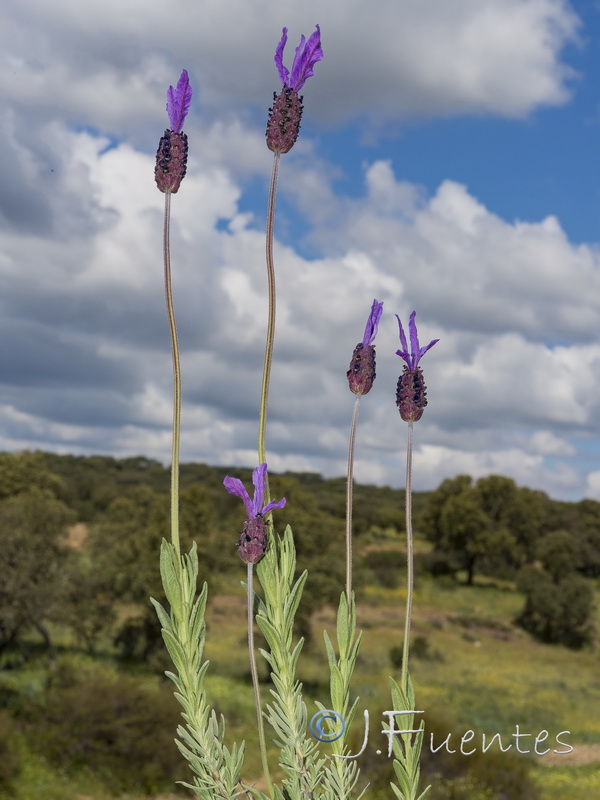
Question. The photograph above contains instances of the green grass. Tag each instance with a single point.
(39, 780)
(570, 783)
(490, 675)
(483, 674)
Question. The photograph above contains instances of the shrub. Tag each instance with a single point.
(558, 613)
(9, 762)
(118, 729)
(419, 649)
(480, 776)
(494, 775)
(386, 565)
(558, 553)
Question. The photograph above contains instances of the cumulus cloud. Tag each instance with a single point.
(106, 63)
(91, 351)
(515, 303)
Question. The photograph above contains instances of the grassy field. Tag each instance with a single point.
(477, 671)
(473, 670)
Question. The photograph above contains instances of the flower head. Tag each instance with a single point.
(253, 539)
(178, 102)
(411, 392)
(286, 112)
(171, 157)
(308, 53)
(416, 352)
(362, 366)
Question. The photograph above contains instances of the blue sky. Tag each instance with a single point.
(446, 163)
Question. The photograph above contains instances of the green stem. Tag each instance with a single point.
(409, 561)
(262, 448)
(264, 398)
(349, 500)
(255, 685)
(176, 379)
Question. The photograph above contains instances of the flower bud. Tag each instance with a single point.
(171, 161)
(284, 120)
(362, 369)
(253, 540)
(411, 394)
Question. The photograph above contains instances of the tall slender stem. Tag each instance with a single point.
(176, 379)
(409, 560)
(264, 398)
(349, 481)
(254, 672)
(262, 454)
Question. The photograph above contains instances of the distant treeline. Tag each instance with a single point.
(79, 544)
(80, 537)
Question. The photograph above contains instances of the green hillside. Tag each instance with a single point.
(85, 711)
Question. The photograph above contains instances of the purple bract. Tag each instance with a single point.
(372, 323)
(416, 352)
(307, 55)
(254, 507)
(178, 102)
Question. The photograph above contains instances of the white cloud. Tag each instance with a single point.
(433, 464)
(592, 486)
(545, 443)
(106, 63)
(515, 304)
(102, 380)
(472, 270)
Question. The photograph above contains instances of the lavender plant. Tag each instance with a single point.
(411, 399)
(201, 740)
(340, 773)
(287, 714)
(171, 165)
(306, 772)
(252, 546)
(361, 376)
(283, 127)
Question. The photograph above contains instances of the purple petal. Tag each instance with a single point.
(297, 62)
(307, 55)
(271, 506)
(403, 353)
(235, 486)
(178, 102)
(284, 73)
(372, 323)
(423, 350)
(414, 340)
(416, 352)
(258, 479)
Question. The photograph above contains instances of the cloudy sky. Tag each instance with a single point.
(447, 163)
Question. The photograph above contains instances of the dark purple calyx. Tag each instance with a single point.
(284, 120)
(411, 394)
(253, 540)
(171, 161)
(362, 369)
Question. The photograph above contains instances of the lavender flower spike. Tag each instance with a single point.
(171, 157)
(285, 114)
(308, 53)
(178, 102)
(362, 366)
(411, 392)
(253, 539)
